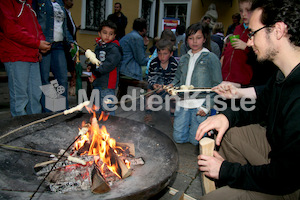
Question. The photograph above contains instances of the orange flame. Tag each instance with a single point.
(101, 146)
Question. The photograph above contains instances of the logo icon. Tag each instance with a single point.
(54, 100)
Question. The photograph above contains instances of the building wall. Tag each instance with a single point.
(130, 8)
(86, 39)
(224, 9)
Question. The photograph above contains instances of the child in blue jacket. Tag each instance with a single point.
(200, 68)
(106, 76)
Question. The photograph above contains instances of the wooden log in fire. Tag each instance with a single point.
(129, 146)
(99, 185)
(136, 161)
(122, 169)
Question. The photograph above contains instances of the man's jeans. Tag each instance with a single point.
(186, 124)
(23, 82)
(55, 60)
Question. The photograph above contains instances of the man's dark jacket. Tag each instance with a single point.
(279, 106)
(121, 23)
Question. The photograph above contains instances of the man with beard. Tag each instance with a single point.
(119, 19)
(256, 162)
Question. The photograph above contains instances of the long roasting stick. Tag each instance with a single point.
(37, 189)
(147, 93)
(71, 110)
(196, 90)
(70, 158)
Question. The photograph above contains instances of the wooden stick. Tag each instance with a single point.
(195, 90)
(70, 158)
(71, 110)
(42, 164)
(130, 100)
(207, 146)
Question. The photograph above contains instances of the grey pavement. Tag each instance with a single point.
(188, 176)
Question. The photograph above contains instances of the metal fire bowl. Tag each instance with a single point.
(18, 179)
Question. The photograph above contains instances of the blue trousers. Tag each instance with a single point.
(186, 124)
(103, 93)
(23, 82)
(55, 61)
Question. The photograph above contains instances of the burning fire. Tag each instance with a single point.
(101, 145)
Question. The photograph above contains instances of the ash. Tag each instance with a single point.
(67, 176)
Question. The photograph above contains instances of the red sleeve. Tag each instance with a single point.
(12, 30)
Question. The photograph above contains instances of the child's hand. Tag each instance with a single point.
(238, 44)
(201, 113)
(91, 79)
(158, 87)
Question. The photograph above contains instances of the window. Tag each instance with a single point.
(176, 11)
(93, 12)
(146, 9)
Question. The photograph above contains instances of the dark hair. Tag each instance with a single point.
(109, 24)
(168, 34)
(119, 4)
(286, 11)
(206, 17)
(180, 29)
(236, 16)
(139, 24)
(194, 28)
(164, 44)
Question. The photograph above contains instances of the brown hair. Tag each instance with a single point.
(164, 44)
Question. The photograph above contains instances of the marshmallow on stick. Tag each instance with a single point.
(92, 57)
(77, 108)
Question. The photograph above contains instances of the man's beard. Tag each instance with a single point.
(270, 55)
(271, 52)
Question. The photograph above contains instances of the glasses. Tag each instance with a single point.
(250, 35)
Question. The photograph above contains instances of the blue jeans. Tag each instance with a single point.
(23, 82)
(55, 60)
(186, 124)
(103, 93)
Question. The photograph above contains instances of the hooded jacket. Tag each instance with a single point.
(20, 33)
(110, 55)
(279, 106)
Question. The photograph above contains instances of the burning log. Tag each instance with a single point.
(99, 185)
(122, 169)
(207, 146)
(127, 146)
